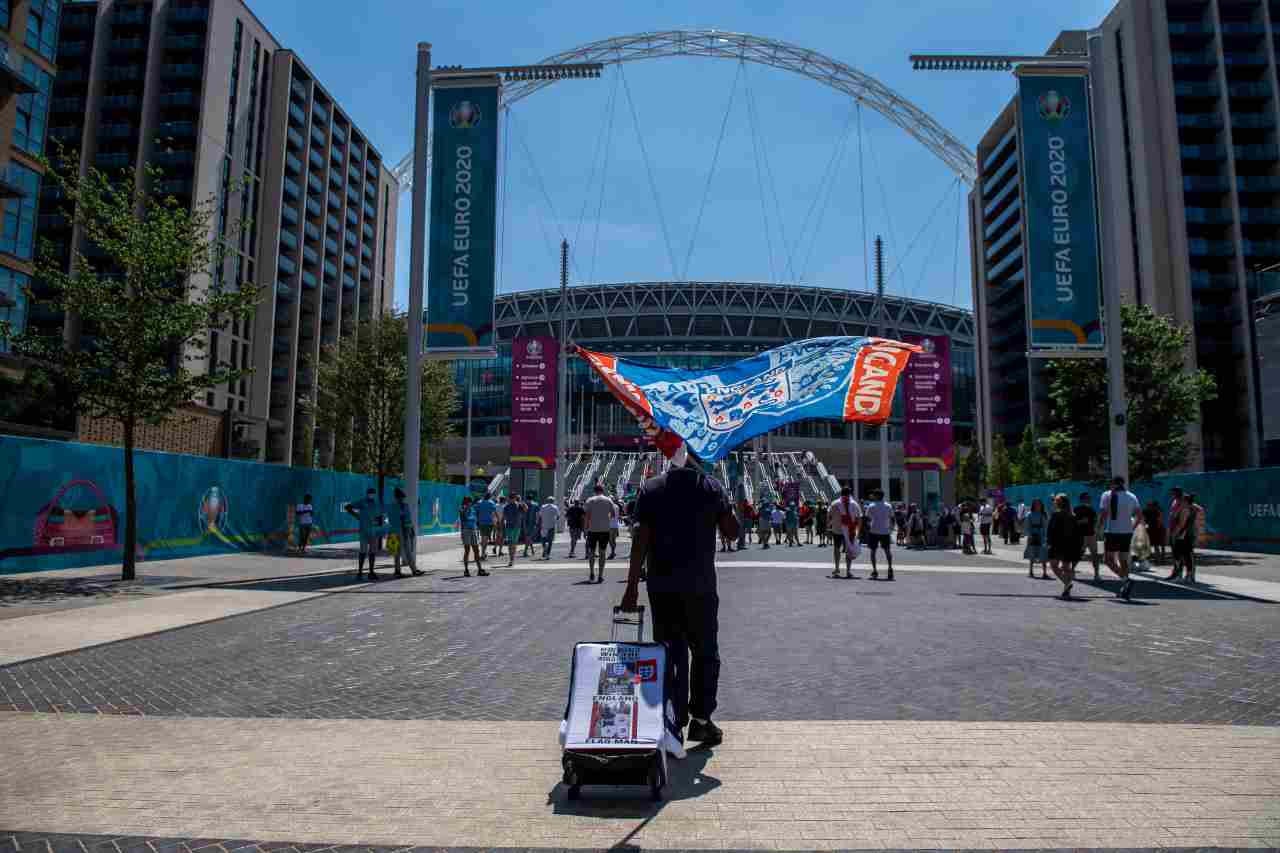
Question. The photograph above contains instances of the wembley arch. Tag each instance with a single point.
(715, 44)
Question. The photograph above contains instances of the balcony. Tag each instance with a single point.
(189, 15)
(1208, 216)
(309, 280)
(313, 209)
(1252, 121)
(371, 170)
(1202, 280)
(284, 292)
(1257, 152)
(184, 42)
(1209, 121)
(115, 131)
(319, 112)
(365, 273)
(310, 255)
(130, 15)
(339, 135)
(1242, 90)
(331, 246)
(313, 233)
(1258, 184)
(1195, 89)
(350, 239)
(317, 162)
(73, 105)
(119, 73)
(370, 211)
(1245, 60)
(295, 139)
(335, 180)
(1190, 28)
(994, 274)
(330, 271)
(298, 90)
(176, 129)
(1261, 248)
(1196, 59)
(175, 158)
(279, 374)
(314, 184)
(292, 189)
(1243, 28)
(331, 222)
(1211, 248)
(73, 48)
(352, 219)
(348, 260)
(289, 214)
(367, 230)
(288, 239)
(287, 265)
(366, 253)
(292, 164)
(297, 116)
(1203, 152)
(353, 196)
(1205, 184)
(348, 283)
(184, 98)
(180, 70)
(317, 137)
(1259, 216)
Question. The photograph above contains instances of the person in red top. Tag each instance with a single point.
(806, 522)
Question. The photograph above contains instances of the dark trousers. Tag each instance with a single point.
(690, 625)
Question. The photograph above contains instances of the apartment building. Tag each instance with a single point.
(201, 89)
(28, 51)
(1190, 92)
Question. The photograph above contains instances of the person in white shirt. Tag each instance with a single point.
(600, 514)
(1118, 512)
(548, 517)
(985, 512)
(879, 518)
(845, 515)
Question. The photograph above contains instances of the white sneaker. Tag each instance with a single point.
(673, 746)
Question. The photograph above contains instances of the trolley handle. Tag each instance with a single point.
(626, 618)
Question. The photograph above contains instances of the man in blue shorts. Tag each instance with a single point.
(485, 510)
(367, 512)
(513, 525)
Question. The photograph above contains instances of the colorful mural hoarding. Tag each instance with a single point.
(534, 386)
(463, 229)
(64, 504)
(1063, 272)
(929, 441)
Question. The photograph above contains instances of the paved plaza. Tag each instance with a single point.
(230, 702)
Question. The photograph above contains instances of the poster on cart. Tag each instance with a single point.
(616, 698)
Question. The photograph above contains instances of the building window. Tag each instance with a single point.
(42, 27)
(18, 236)
(33, 110)
(13, 303)
(4, 15)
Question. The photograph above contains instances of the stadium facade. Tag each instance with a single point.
(696, 324)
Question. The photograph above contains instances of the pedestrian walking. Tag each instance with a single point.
(1037, 548)
(366, 513)
(678, 515)
(1065, 544)
(600, 512)
(846, 518)
(777, 521)
(1184, 538)
(513, 515)
(531, 524)
(615, 529)
(1087, 527)
(576, 517)
(744, 523)
(765, 525)
(500, 527)
(303, 514)
(486, 509)
(548, 518)
(878, 522)
(966, 532)
(791, 518)
(1153, 518)
(806, 522)
(468, 525)
(900, 521)
(1119, 511)
(820, 522)
(408, 550)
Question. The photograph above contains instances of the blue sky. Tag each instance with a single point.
(557, 184)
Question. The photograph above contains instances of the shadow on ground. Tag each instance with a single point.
(36, 591)
(686, 780)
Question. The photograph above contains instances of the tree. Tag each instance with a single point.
(1028, 466)
(1164, 398)
(146, 303)
(1001, 472)
(360, 400)
(971, 474)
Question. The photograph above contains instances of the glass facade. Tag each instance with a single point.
(13, 303)
(33, 110)
(42, 27)
(19, 232)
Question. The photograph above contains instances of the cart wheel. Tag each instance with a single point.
(574, 791)
(655, 782)
(570, 776)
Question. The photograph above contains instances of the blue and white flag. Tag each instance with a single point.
(713, 411)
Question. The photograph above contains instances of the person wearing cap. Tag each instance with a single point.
(1119, 511)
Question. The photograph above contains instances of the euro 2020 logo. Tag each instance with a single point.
(1053, 106)
(534, 349)
(464, 115)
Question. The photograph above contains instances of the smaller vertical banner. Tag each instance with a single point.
(464, 214)
(534, 380)
(929, 443)
(1062, 261)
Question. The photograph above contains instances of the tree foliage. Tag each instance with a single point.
(360, 401)
(1028, 464)
(1164, 398)
(146, 303)
(971, 475)
(1001, 470)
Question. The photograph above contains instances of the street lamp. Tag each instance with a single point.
(1091, 62)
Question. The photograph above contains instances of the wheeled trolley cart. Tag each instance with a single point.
(615, 728)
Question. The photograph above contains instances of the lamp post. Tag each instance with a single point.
(1089, 61)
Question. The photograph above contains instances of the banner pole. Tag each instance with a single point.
(466, 475)
(1116, 395)
(417, 278)
(562, 406)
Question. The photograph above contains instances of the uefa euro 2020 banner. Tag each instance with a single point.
(464, 199)
(713, 411)
(1060, 205)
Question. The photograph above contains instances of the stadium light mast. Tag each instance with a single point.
(1090, 61)
(884, 427)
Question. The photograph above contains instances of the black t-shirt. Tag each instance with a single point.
(681, 509)
(1086, 519)
(575, 517)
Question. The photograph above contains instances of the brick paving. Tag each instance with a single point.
(796, 646)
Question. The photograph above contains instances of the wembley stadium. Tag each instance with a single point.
(697, 325)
